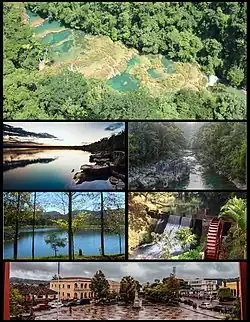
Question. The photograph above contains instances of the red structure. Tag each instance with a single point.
(243, 284)
(214, 239)
(6, 281)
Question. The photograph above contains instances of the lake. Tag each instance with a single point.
(46, 169)
(89, 241)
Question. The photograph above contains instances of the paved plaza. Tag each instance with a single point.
(116, 312)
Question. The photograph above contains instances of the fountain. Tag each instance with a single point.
(137, 302)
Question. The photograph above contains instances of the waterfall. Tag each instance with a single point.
(186, 221)
(153, 250)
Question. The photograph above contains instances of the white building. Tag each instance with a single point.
(203, 285)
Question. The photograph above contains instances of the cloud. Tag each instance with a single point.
(12, 131)
(114, 126)
(141, 271)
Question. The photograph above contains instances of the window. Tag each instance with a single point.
(63, 285)
(75, 295)
(75, 284)
(52, 285)
(81, 295)
(82, 285)
(68, 286)
(63, 293)
(68, 295)
(85, 286)
(85, 295)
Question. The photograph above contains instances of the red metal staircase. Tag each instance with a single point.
(214, 239)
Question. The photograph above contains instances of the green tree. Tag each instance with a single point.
(224, 293)
(100, 285)
(128, 288)
(55, 242)
(15, 299)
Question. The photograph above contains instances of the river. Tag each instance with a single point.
(47, 169)
(89, 241)
(201, 178)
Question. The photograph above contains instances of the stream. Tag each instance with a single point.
(200, 178)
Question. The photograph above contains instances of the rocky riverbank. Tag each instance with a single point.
(159, 175)
(108, 166)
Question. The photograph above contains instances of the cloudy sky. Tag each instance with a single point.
(59, 133)
(116, 270)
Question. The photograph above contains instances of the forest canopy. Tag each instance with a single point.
(212, 34)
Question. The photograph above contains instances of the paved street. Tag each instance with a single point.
(154, 312)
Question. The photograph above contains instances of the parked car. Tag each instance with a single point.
(55, 304)
(71, 303)
(83, 301)
(204, 305)
(219, 308)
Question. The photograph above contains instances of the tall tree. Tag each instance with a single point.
(102, 226)
(33, 227)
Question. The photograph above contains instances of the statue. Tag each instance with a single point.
(137, 302)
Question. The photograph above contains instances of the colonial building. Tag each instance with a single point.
(77, 287)
(234, 286)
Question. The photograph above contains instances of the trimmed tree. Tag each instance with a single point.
(100, 285)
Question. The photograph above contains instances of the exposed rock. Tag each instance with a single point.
(159, 175)
(118, 158)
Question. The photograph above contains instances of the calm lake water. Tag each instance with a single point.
(88, 241)
(36, 169)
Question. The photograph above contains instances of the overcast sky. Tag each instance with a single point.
(65, 133)
(116, 270)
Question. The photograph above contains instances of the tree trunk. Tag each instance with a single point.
(55, 252)
(102, 227)
(33, 227)
(120, 243)
(70, 226)
(16, 225)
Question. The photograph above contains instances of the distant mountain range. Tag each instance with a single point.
(18, 280)
(58, 215)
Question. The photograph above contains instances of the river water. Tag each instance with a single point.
(89, 241)
(69, 44)
(202, 179)
(41, 169)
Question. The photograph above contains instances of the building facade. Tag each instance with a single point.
(203, 285)
(233, 285)
(77, 287)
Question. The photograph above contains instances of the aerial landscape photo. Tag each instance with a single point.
(125, 291)
(187, 225)
(64, 155)
(187, 155)
(125, 60)
(64, 225)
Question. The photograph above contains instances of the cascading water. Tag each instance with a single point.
(153, 250)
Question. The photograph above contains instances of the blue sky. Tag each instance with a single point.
(57, 201)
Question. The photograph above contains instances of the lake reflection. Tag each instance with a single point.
(45, 169)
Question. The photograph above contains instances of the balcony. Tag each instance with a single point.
(82, 289)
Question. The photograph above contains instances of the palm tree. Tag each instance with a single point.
(236, 211)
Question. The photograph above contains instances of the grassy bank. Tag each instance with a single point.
(77, 257)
